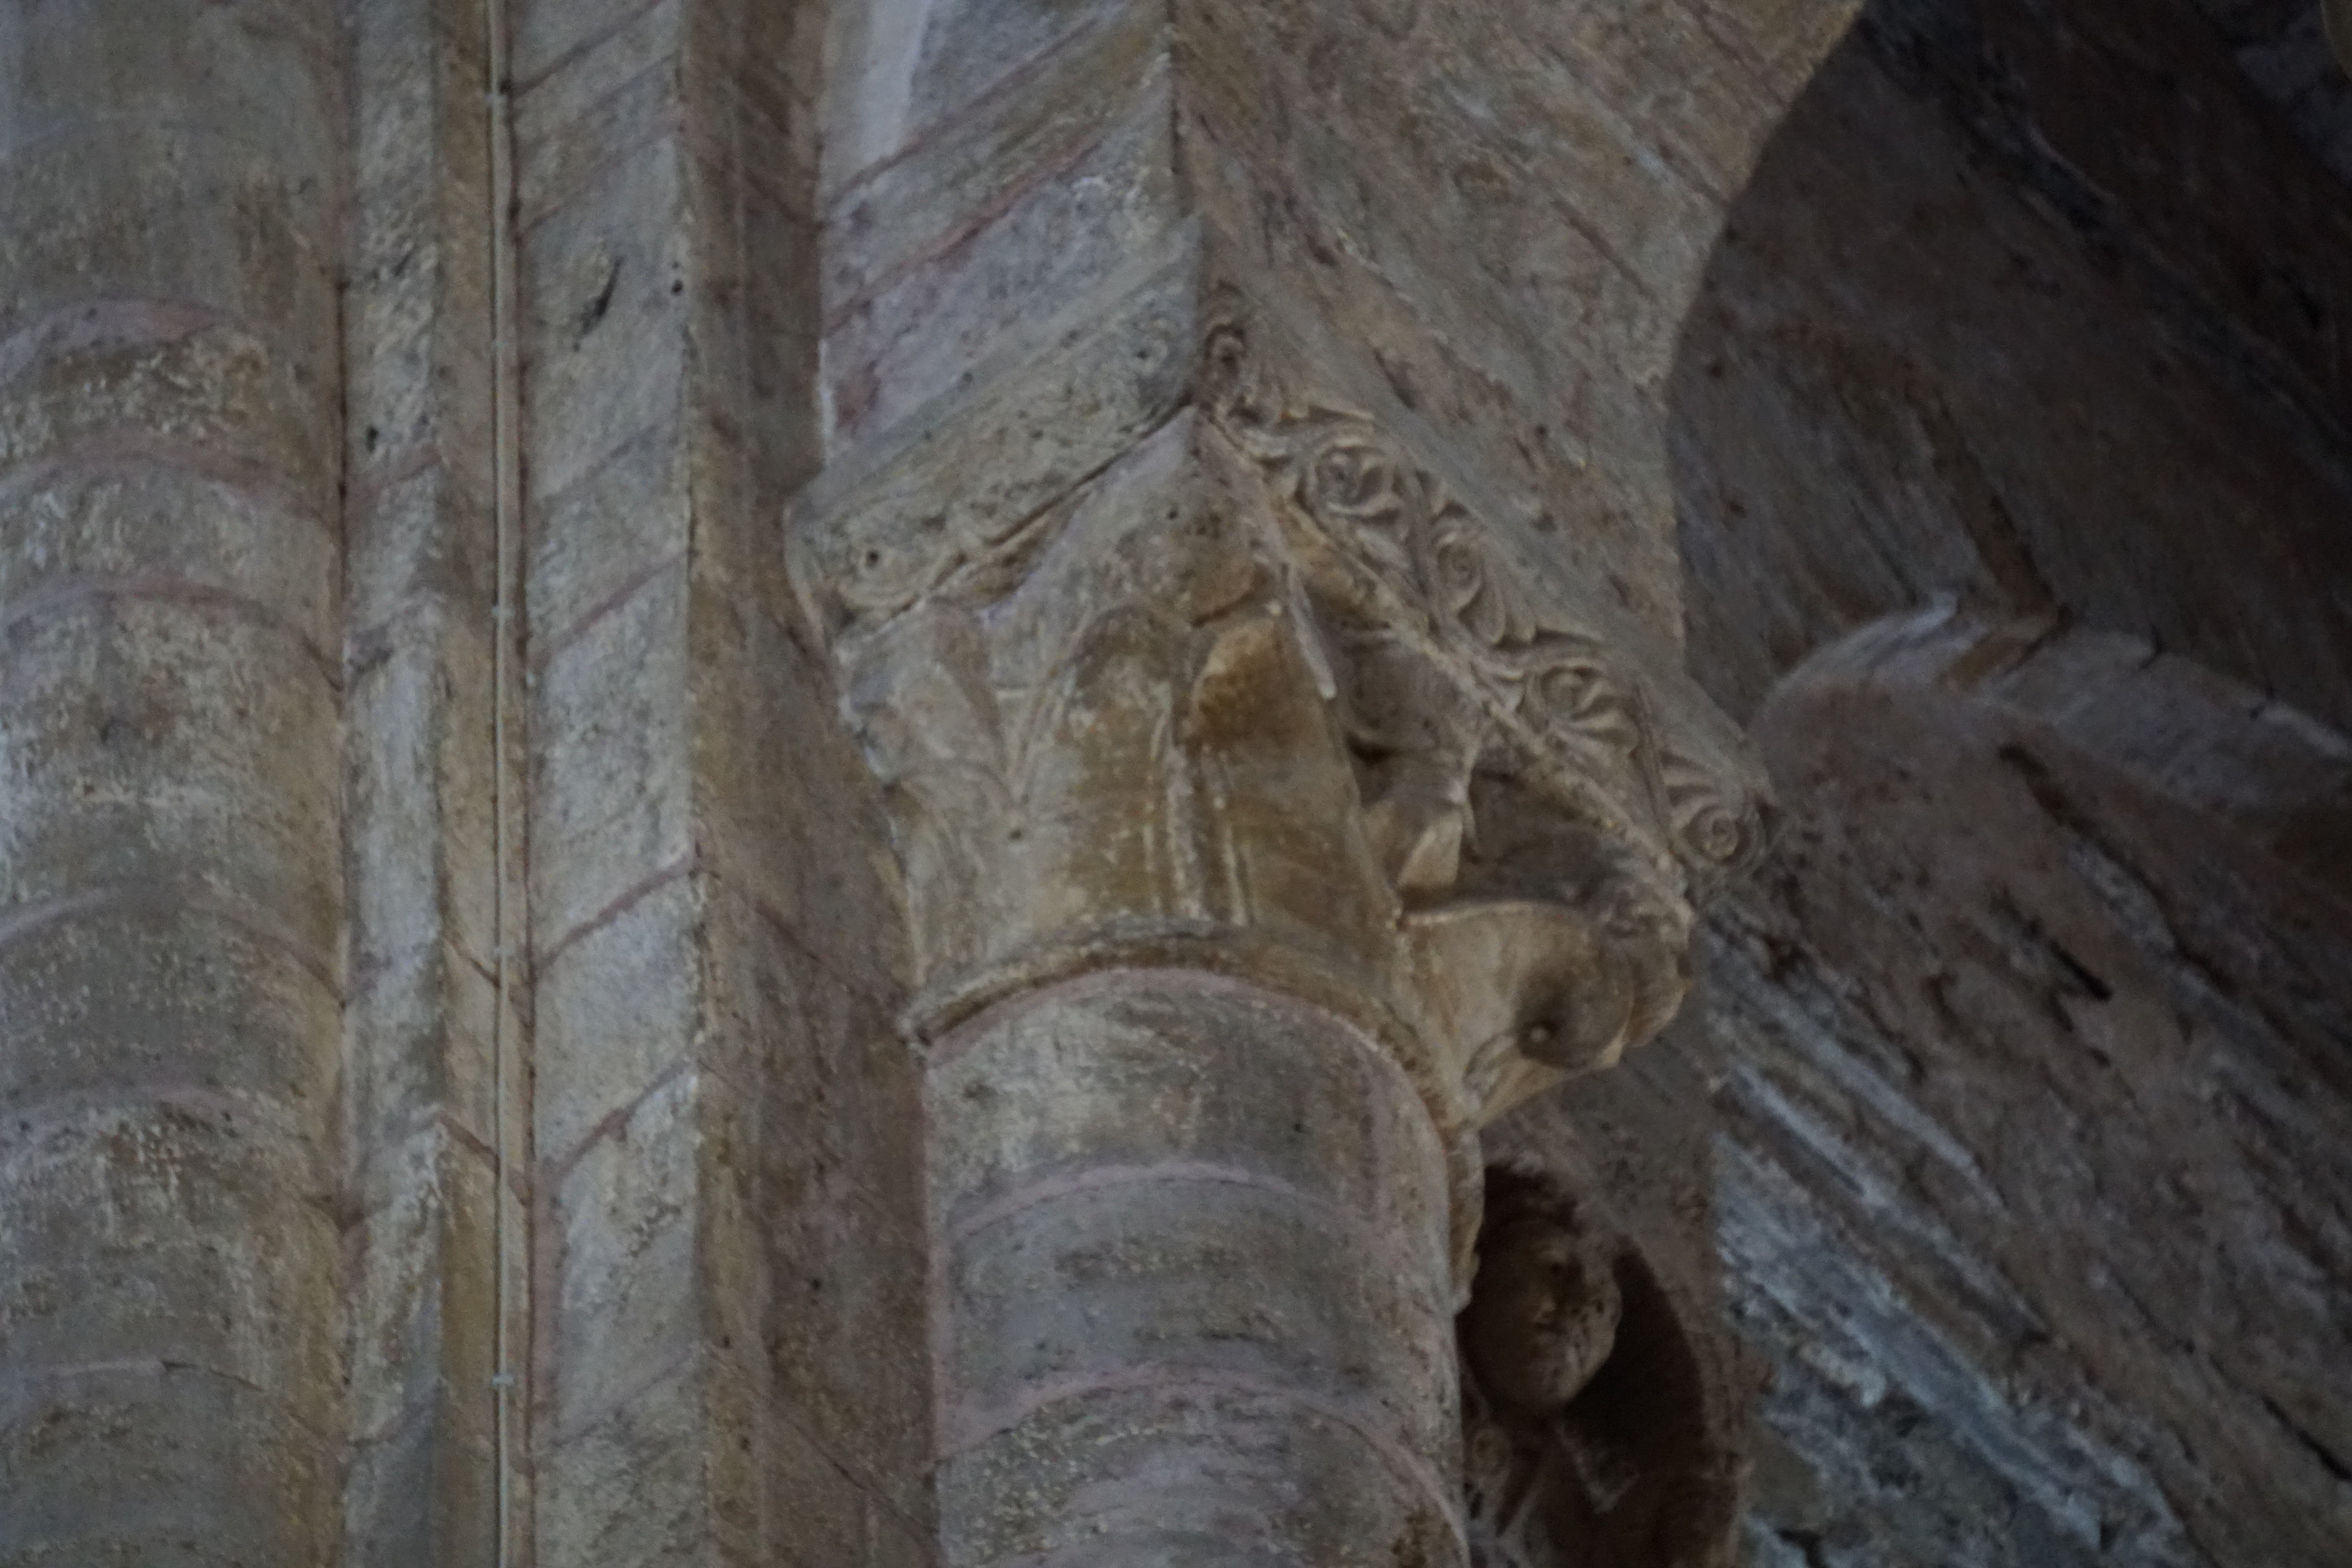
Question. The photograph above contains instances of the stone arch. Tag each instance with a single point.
(2255, 766)
(1971, 332)
(2030, 1036)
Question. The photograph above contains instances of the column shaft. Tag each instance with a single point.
(1191, 1290)
(170, 859)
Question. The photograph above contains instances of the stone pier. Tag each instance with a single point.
(829, 831)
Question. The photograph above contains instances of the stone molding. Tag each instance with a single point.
(1393, 557)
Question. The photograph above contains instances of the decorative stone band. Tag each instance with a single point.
(1398, 566)
(1262, 696)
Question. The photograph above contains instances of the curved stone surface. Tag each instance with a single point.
(171, 864)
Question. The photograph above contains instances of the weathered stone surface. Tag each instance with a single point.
(1240, 1280)
(146, 520)
(1011, 984)
(1895, 285)
(1194, 1472)
(437, 1299)
(158, 1464)
(138, 988)
(187, 1228)
(2079, 989)
(170, 457)
(1122, 1207)
(913, 333)
(1254, 688)
(722, 1115)
(1265, 1063)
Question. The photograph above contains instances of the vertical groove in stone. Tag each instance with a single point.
(420, 664)
(727, 1259)
(1191, 1286)
(171, 889)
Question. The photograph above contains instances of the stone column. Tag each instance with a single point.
(1193, 1302)
(170, 838)
(1246, 544)
(1267, 828)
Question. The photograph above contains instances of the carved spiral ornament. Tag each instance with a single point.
(1352, 482)
(1401, 551)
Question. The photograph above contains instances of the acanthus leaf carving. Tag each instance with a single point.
(1570, 891)
(1390, 545)
(1541, 811)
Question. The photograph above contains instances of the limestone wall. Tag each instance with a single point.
(1991, 321)
(443, 941)
(2024, 1186)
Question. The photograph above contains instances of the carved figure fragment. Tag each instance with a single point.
(1587, 1434)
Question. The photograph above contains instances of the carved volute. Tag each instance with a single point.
(1266, 696)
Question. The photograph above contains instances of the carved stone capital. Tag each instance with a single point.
(1549, 795)
(1265, 695)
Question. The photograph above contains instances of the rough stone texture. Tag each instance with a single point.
(422, 1128)
(1511, 258)
(1190, 1256)
(1270, 685)
(2032, 1283)
(2299, 60)
(1922, 259)
(169, 1373)
(2018, 1043)
(728, 1238)
(2008, 1126)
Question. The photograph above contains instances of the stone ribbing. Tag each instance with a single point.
(421, 1109)
(2117, 991)
(171, 860)
(1191, 1284)
(728, 1248)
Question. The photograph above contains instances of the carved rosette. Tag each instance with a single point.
(1267, 694)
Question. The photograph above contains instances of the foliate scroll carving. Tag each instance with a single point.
(1391, 554)
(1270, 676)
(1548, 805)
